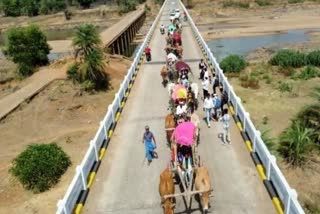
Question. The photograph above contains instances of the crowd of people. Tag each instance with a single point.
(212, 104)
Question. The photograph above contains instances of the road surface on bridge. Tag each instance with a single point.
(126, 184)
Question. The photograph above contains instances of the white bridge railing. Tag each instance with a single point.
(79, 181)
(287, 195)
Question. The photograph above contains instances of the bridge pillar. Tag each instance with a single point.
(122, 44)
(126, 41)
(118, 46)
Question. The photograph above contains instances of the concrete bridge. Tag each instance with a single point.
(243, 182)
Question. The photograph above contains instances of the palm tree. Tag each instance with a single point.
(92, 69)
(85, 40)
(295, 143)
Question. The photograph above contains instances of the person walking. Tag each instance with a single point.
(150, 144)
(215, 83)
(191, 100)
(216, 105)
(226, 126)
(205, 87)
(208, 105)
(224, 99)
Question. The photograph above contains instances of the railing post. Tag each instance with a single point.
(104, 128)
(238, 101)
(92, 143)
(61, 206)
(257, 135)
(229, 92)
(112, 114)
(84, 183)
(246, 117)
(272, 159)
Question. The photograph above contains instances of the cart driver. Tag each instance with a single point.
(181, 108)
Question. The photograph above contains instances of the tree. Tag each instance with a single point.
(86, 39)
(295, 143)
(11, 7)
(28, 48)
(85, 3)
(90, 71)
(30, 7)
(40, 166)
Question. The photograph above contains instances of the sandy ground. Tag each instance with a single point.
(57, 114)
(217, 22)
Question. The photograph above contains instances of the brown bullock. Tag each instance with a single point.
(202, 183)
(166, 187)
(170, 124)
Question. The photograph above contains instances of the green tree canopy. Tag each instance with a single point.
(90, 72)
(85, 3)
(28, 48)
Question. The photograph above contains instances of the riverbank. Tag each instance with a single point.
(215, 22)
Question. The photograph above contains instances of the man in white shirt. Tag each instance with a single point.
(226, 126)
(205, 86)
(181, 109)
(208, 105)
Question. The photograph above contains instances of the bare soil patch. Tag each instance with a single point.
(215, 21)
(58, 114)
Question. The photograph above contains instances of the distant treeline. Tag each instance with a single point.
(36, 7)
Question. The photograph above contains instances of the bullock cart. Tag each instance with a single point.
(185, 160)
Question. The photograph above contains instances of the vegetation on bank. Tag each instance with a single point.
(27, 47)
(233, 64)
(235, 4)
(89, 68)
(36, 7)
(40, 166)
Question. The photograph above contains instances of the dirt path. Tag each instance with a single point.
(34, 84)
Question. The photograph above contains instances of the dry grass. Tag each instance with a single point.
(60, 113)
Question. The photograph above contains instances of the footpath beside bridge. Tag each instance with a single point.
(124, 182)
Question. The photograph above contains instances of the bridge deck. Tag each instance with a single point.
(113, 32)
(125, 184)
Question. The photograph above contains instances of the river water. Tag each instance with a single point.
(244, 45)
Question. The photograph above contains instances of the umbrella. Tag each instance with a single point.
(178, 92)
(171, 28)
(181, 65)
(172, 57)
(184, 133)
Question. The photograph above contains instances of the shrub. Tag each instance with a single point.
(314, 58)
(85, 3)
(295, 143)
(267, 78)
(249, 81)
(28, 48)
(51, 6)
(295, 1)
(235, 4)
(233, 64)
(287, 71)
(316, 93)
(289, 58)
(308, 73)
(40, 166)
(309, 117)
(268, 141)
(263, 2)
(285, 87)
(126, 6)
(72, 72)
